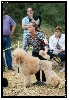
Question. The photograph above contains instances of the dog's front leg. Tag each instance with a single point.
(27, 80)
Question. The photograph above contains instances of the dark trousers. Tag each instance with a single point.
(38, 73)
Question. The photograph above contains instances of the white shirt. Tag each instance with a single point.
(53, 42)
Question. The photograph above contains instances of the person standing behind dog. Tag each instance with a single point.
(34, 39)
(7, 34)
(27, 19)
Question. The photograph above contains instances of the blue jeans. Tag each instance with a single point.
(3, 62)
(7, 44)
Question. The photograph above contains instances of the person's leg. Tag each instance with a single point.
(43, 75)
(4, 47)
(8, 53)
(63, 69)
(38, 75)
(62, 57)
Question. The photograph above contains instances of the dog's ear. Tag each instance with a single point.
(19, 60)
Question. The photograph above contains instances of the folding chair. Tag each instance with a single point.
(56, 57)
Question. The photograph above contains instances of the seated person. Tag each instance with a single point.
(57, 44)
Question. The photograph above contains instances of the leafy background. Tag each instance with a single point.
(52, 14)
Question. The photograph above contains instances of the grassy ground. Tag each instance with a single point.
(16, 87)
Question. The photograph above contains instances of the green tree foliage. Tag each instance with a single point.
(52, 14)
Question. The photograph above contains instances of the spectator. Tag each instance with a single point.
(34, 39)
(57, 44)
(25, 21)
(7, 34)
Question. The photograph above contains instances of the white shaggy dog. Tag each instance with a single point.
(31, 65)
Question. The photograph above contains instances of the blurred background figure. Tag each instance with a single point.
(8, 23)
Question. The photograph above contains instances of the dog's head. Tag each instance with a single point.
(19, 55)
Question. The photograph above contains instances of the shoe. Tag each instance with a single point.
(37, 82)
(11, 68)
(62, 70)
(42, 83)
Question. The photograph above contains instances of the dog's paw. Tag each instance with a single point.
(62, 84)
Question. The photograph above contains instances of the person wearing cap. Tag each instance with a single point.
(8, 23)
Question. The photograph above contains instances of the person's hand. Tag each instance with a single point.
(32, 19)
(44, 53)
(60, 50)
(10, 35)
